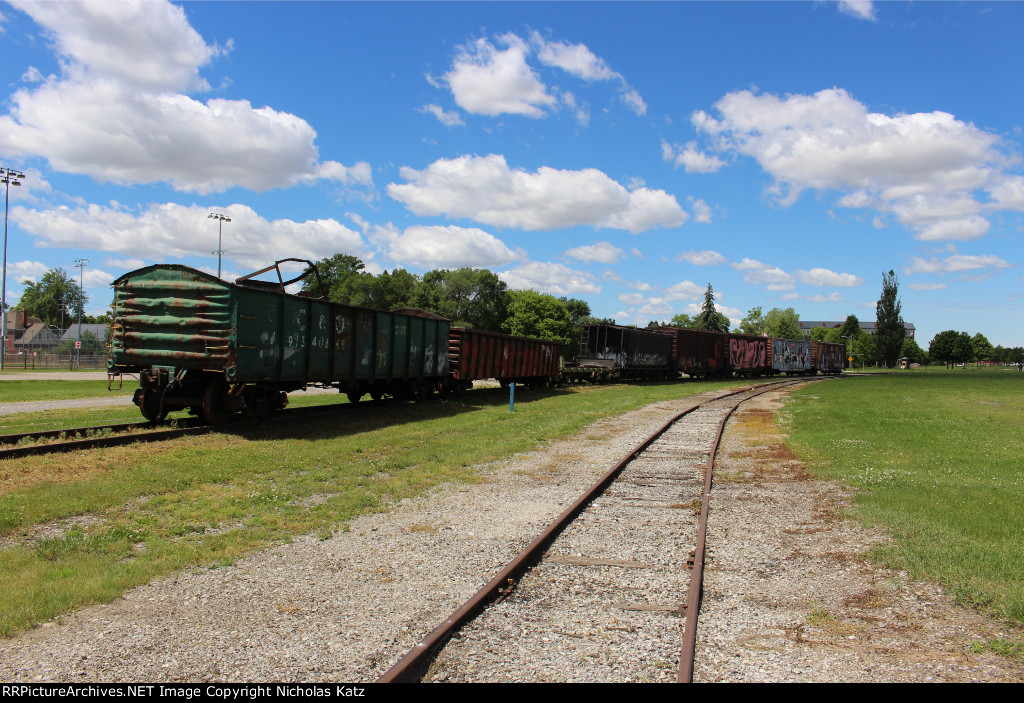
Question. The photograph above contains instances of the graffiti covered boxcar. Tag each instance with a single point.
(748, 354)
(792, 357)
(631, 352)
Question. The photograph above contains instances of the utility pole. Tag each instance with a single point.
(80, 263)
(8, 177)
(220, 232)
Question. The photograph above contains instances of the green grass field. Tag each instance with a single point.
(22, 391)
(937, 457)
(131, 514)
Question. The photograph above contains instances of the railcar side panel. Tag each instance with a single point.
(791, 356)
(343, 350)
(748, 354)
(696, 352)
(476, 354)
(635, 353)
(828, 357)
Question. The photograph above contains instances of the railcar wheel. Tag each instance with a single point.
(149, 404)
(354, 396)
(215, 410)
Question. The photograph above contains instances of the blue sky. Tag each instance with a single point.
(624, 153)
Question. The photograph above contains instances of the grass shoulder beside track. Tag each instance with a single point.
(84, 527)
(22, 391)
(935, 456)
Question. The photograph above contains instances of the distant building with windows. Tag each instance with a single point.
(26, 333)
(870, 327)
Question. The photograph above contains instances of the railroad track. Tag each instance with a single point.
(610, 591)
(78, 438)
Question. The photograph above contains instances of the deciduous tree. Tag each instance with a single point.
(56, 297)
(783, 324)
(890, 329)
(533, 314)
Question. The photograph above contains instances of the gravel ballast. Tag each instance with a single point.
(781, 585)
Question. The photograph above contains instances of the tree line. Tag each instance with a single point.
(477, 298)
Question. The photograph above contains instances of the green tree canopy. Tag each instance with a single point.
(533, 314)
(825, 334)
(753, 323)
(54, 299)
(469, 297)
(782, 324)
(983, 349)
(337, 274)
(683, 320)
(890, 329)
(951, 347)
(913, 353)
(851, 328)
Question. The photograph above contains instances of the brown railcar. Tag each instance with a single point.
(476, 354)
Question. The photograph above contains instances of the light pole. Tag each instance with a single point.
(220, 232)
(8, 177)
(80, 263)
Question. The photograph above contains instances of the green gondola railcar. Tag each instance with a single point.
(220, 348)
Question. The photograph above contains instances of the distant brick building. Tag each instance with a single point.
(870, 327)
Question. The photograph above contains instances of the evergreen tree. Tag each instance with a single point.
(709, 318)
(890, 329)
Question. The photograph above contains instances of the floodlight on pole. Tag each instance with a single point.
(80, 263)
(221, 219)
(8, 177)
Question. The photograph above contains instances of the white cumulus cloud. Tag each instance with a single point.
(956, 263)
(448, 119)
(485, 189)
(923, 168)
(826, 278)
(495, 77)
(702, 258)
(179, 231)
(755, 273)
(861, 9)
(546, 277)
(485, 80)
(690, 158)
(602, 252)
(451, 247)
(119, 111)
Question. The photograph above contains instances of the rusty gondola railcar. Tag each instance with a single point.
(477, 354)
